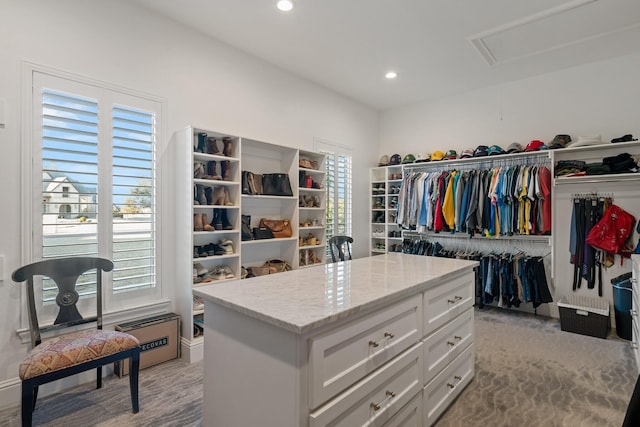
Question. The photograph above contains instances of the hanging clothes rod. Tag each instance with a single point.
(487, 162)
(534, 238)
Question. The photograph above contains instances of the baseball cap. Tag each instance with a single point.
(480, 151)
(535, 145)
(586, 140)
(421, 158)
(515, 147)
(437, 155)
(559, 141)
(451, 155)
(466, 153)
(409, 158)
(395, 159)
(495, 150)
(384, 160)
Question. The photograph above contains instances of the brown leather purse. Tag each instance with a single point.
(279, 227)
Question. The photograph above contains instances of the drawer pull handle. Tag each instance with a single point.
(457, 337)
(450, 301)
(373, 344)
(459, 378)
(450, 385)
(389, 335)
(389, 394)
(451, 343)
(457, 298)
(634, 345)
(634, 312)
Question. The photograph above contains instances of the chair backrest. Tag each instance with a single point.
(64, 272)
(340, 248)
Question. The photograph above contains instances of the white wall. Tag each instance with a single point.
(599, 98)
(206, 83)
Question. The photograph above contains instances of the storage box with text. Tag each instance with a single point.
(159, 338)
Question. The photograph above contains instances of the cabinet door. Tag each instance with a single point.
(374, 400)
(446, 301)
(343, 356)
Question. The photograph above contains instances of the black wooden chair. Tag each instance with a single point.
(71, 353)
(340, 247)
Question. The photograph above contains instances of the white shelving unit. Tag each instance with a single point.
(385, 186)
(200, 185)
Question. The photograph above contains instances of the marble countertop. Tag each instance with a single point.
(304, 299)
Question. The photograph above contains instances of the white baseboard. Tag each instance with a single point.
(10, 393)
(192, 351)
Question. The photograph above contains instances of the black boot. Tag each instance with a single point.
(202, 141)
(217, 219)
(208, 193)
(226, 225)
(211, 170)
(246, 228)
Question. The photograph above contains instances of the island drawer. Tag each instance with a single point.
(446, 301)
(376, 399)
(446, 386)
(342, 356)
(444, 345)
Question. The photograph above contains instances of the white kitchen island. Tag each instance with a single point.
(379, 341)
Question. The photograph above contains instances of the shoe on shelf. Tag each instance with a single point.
(228, 272)
(198, 303)
(218, 273)
(227, 246)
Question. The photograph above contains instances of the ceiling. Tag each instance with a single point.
(437, 47)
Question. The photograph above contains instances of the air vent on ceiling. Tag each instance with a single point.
(561, 27)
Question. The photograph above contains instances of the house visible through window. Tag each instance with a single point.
(97, 171)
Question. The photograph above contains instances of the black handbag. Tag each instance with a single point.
(260, 233)
(246, 228)
(276, 184)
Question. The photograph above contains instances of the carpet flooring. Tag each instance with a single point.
(528, 373)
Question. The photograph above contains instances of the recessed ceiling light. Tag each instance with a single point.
(391, 75)
(285, 5)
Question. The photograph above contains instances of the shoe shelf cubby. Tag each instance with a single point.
(385, 187)
(211, 208)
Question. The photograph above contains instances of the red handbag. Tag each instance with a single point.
(612, 231)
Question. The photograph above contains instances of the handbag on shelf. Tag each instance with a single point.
(279, 227)
(276, 184)
(260, 233)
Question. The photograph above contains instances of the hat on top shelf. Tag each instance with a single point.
(409, 158)
(395, 160)
(437, 155)
(625, 138)
(495, 150)
(481, 151)
(515, 147)
(584, 141)
(535, 145)
(451, 155)
(384, 160)
(466, 153)
(422, 158)
(559, 141)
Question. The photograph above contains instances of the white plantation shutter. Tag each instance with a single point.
(134, 225)
(338, 184)
(95, 161)
(69, 180)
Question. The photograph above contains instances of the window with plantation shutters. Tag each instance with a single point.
(338, 165)
(94, 177)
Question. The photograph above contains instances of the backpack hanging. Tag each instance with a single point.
(612, 231)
